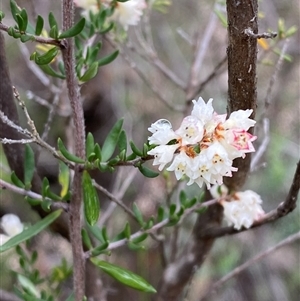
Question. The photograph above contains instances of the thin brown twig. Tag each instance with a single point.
(235, 272)
(33, 195)
(282, 209)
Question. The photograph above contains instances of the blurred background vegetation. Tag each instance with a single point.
(118, 91)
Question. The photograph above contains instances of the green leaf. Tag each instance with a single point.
(47, 57)
(2, 15)
(39, 25)
(15, 9)
(50, 71)
(29, 166)
(138, 214)
(127, 231)
(52, 20)
(97, 151)
(53, 33)
(100, 249)
(139, 239)
(24, 16)
(160, 214)
(89, 144)
(24, 38)
(108, 59)
(66, 153)
(90, 73)
(14, 178)
(111, 140)
(74, 30)
(135, 149)
(124, 276)
(147, 172)
(31, 231)
(86, 239)
(45, 187)
(28, 285)
(64, 178)
(90, 200)
(21, 23)
(122, 142)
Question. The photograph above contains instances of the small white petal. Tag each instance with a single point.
(11, 224)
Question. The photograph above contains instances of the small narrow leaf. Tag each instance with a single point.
(90, 200)
(111, 140)
(29, 166)
(100, 249)
(141, 238)
(124, 276)
(108, 59)
(147, 172)
(86, 239)
(21, 23)
(73, 31)
(24, 16)
(138, 214)
(90, 73)
(122, 142)
(52, 20)
(135, 149)
(39, 25)
(66, 153)
(46, 58)
(31, 231)
(64, 178)
(14, 178)
(89, 144)
(14, 8)
(50, 71)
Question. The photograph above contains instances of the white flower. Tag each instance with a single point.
(239, 119)
(181, 165)
(11, 224)
(243, 209)
(191, 130)
(218, 156)
(162, 132)
(203, 111)
(129, 13)
(163, 154)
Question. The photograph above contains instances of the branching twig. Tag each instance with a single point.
(235, 272)
(33, 195)
(59, 43)
(155, 228)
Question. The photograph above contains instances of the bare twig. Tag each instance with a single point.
(235, 272)
(12, 141)
(265, 35)
(114, 199)
(33, 195)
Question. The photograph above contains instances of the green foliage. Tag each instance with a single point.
(124, 276)
(90, 199)
(46, 58)
(67, 154)
(39, 25)
(74, 30)
(111, 140)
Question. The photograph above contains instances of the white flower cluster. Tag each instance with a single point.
(243, 209)
(11, 225)
(125, 13)
(204, 146)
